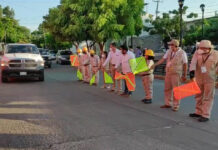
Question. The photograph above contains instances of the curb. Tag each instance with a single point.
(163, 77)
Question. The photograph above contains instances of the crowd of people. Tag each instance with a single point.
(203, 70)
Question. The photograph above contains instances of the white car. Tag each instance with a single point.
(22, 61)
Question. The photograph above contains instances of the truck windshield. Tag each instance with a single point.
(66, 53)
(22, 49)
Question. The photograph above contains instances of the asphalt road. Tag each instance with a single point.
(64, 114)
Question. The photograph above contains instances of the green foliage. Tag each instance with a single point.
(169, 24)
(210, 31)
(46, 40)
(10, 30)
(96, 20)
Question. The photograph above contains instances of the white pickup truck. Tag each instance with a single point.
(22, 61)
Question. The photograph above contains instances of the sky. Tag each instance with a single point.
(30, 12)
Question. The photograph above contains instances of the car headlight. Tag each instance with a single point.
(41, 63)
(63, 58)
(4, 64)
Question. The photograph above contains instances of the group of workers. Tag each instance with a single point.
(203, 70)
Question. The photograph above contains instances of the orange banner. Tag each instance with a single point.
(186, 90)
(74, 60)
(130, 80)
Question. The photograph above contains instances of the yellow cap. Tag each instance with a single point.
(92, 51)
(149, 52)
(79, 51)
(85, 49)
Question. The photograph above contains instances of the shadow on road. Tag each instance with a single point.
(20, 141)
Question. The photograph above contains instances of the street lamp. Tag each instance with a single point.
(202, 6)
(181, 4)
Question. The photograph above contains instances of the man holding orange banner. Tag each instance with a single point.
(129, 81)
(176, 69)
(204, 70)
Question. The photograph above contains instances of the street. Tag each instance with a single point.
(64, 114)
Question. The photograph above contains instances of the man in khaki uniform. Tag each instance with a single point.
(95, 65)
(148, 77)
(86, 68)
(203, 70)
(176, 69)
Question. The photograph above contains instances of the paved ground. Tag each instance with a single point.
(62, 114)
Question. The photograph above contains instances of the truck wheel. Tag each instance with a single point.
(49, 66)
(4, 79)
(41, 77)
(62, 62)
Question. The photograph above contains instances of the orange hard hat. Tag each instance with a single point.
(149, 52)
(85, 49)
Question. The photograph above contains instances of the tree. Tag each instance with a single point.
(169, 25)
(95, 20)
(10, 30)
(8, 12)
(195, 32)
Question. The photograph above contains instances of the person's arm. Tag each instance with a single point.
(161, 61)
(185, 67)
(98, 61)
(193, 66)
(107, 60)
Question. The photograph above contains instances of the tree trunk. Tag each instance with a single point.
(101, 45)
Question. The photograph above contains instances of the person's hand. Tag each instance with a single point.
(116, 70)
(152, 67)
(184, 78)
(193, 80)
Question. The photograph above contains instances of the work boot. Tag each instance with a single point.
(124, 94)
(194, 115)
(95, 84)
(203, 119)
(165, 106)
(143, 100)
(147, 101)
(112, 90)
(175, 109)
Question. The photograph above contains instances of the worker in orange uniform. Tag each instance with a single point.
(104, 69)
(95, 65)
(79, 54)
(176, 71)
(204, 70)
(148, 77)
(86, 68)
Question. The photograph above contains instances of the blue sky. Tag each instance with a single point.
(30, 12)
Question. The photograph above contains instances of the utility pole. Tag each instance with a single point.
(44, 37)
(5, 35)
(157, 7)
(202, 6)
(181, 4)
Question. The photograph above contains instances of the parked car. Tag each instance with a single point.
(46, 57)
(159, 54)
(53, 55)
(63, 57)
(22, 61)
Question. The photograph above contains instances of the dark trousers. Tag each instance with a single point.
(126, 91)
